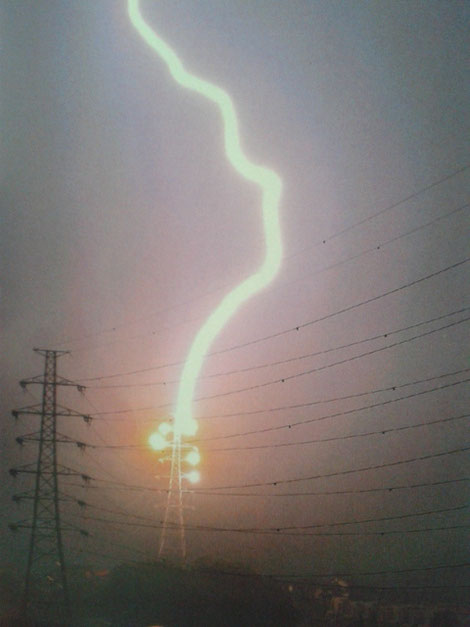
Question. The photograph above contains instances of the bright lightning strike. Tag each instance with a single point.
(271, 187)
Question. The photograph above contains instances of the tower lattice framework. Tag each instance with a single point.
(46, 594)
(172, 539)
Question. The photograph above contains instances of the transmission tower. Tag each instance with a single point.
(172, 544)
(172, 538)
(46, 590)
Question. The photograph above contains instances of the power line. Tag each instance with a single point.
(388, 489)
(325, 367)
(202, 492)
(208, 491)
(281, 530)
(281, 282)
(320, 242)
(340, 472)
(286, 378)
(285, 361)
(133, 447)
(345, 309)
(328, 416)
(298, 327)
(337, 438)
(395, 205)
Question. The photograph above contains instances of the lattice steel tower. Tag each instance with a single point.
(172, 538)
(172, 544)
(46, 570)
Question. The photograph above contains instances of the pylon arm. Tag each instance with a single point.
(39, 380)
(61, 470)
(36, 410)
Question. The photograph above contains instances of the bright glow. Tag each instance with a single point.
(193, 476)
(164, 428)
(193, 457)
(271, 187)
(157, 442)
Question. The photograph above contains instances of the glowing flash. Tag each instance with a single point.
(157, 442)
(193, 476)
(271, 187)
(193, 457)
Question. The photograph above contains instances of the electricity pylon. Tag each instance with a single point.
(172, 544)
(46, 570)
(172, 538)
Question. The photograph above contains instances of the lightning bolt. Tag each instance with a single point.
(271, 188)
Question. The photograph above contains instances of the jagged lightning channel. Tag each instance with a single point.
(271, 187)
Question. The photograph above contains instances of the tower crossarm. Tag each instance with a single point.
(37, 410)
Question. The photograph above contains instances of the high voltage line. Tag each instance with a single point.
(299, 326)
(285, 534)
(202, 492)
(282, 361)
(326, 417)
(320, 242)
(329, 400)
(292, 480)
(279, 530)
(338, 438)
(133, 447)
(346, 309)
(310, 403)
(281, 282)
(339, 472)
(320, 368)
(396, 204)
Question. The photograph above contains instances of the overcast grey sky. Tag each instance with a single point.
(123, 225)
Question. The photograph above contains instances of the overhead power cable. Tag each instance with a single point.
(133, 447)
(323, 241)
(395, 205)
(288, 360)
(296, 328)
(209, 490)
(326, 366)
(129, 487)
(282, 530)
(337, 438)
(345, 309)
(281, 283)
(284, 379)
(388, 489)
(306, 421)
(339, 473)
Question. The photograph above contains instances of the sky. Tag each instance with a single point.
(123, 226)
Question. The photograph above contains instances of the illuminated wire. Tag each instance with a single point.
(346, 309)
(126, 487)
(340, 472)
(284, 530)
(328, 416)
(382, 244)
(319, 242)
(394, 205)
(282, 380)
(298, 327)
(337, 438)
(208, 491)
(388, 489)
(325, 367)
(284, 361)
